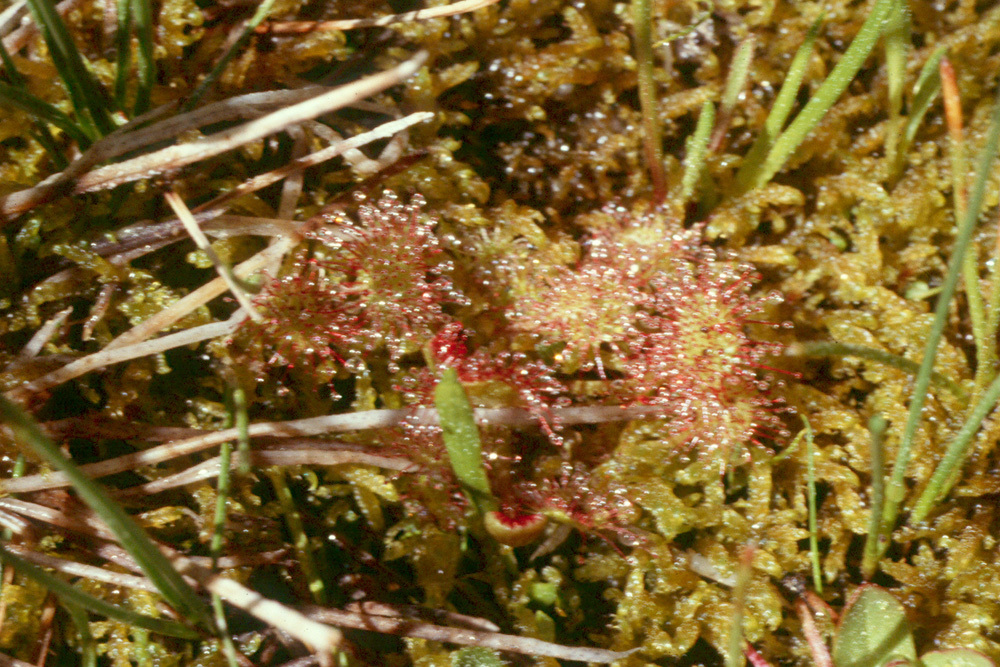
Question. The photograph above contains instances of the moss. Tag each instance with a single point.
(537, 267)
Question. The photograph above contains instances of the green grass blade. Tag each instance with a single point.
(300, 539)
(871, 553)
(736, 83)
(154, 564)
(75, 596)
(652, 144)
(753, 176)
(262, 11)
(783, 103)
(825, 349)
(897, 44)
(123, 47)
(941, 481)
(926, 88)
(817, 572)
(88, 647)
(896, 488)
(86, 95)
(925, 91)
(219, 529)
(42, 111)
(142, 12)
(461, 439)
(697, 149)
(242, 420)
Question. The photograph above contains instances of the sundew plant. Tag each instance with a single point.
(499, 332)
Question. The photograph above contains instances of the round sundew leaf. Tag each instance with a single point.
(956, 657)
(873, 631)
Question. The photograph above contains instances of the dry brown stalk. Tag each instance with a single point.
(79, 178)
(408, 627)
(298, 27)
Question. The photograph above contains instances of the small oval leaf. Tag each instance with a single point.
(873, 631)
(956, 657)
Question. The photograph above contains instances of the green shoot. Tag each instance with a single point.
(736, 83)
(755, 174)
(824, 349)
(785, 100)
(957, 451)
(242, 420)
(154, 564)
(896, 487)
(89, 100)
(262, 11)
(897, 43)
(697, 148)
(300, 539)
(461, 439)
(985, 349)
(871, 553)
(925, 90)
(75, 596)
(643, 20)
(145, 65)
(734, 654)
(215, 546)
(88, 647)
(817, 572)
(988, 366)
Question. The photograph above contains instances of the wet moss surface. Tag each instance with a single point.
(515, 237)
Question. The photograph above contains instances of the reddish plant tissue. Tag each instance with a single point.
(693, 354)
(647, 315)
(380, 283)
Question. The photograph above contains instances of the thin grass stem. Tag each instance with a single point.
(985, 348)
(156, 566)
(642, 19)
(925, 90)
(872, 550)
(825, 349)
(298, 27)
(242, 430)
(753, 175)
(697, 149)
(785, 100)
(896, 488)
(201, 241)
(248, 29)
(88, 646)
(817, 572)
(300, 539)
(941, 481)
(736, 83)
(323, 425)
(95, 605)
(123, 49)
(897, 44)
(142, 13)
(988, 366)
(215, 548)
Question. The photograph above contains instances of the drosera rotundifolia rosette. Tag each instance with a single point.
(645, 314)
